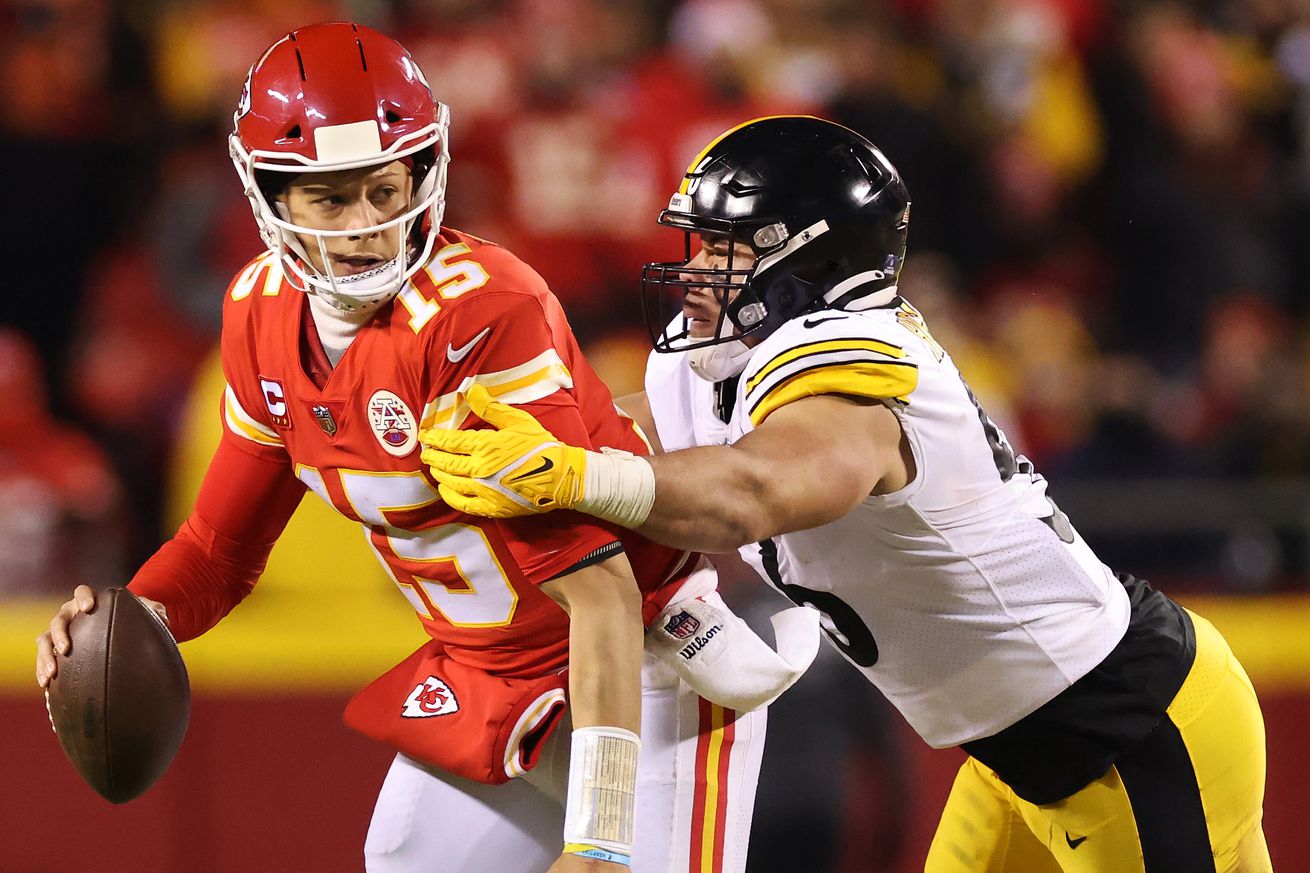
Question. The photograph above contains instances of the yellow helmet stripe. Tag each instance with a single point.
(695, 162)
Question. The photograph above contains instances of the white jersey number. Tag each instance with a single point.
(449, 571)
(840, 622)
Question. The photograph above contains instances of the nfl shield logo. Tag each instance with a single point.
(323, 416)
(682, 625)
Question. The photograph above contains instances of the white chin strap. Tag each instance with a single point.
(351, 293)
(367, 290)
(721, 361)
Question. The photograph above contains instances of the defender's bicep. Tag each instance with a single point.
(827, 453)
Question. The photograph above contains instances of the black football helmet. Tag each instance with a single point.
(824, 211)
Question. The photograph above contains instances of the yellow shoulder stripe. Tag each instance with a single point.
(860, 378)
(817, 348)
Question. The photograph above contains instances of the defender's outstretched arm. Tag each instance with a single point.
(712, 498)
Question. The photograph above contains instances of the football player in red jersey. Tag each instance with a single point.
(364, 321)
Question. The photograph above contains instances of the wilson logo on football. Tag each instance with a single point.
(682, 625)
(393, 423)
(432, 697)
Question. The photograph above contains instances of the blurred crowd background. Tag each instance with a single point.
(1110, 233)
(1111, 216)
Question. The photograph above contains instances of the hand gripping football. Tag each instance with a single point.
(120, 700)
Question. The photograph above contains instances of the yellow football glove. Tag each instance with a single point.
(519, 468)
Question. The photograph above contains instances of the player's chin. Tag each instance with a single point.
(700, 328)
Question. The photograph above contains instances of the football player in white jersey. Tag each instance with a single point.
(807, 417)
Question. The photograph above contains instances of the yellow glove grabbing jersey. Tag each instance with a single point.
(520, 468)
(517, 469)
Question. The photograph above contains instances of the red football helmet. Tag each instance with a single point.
(333, 97)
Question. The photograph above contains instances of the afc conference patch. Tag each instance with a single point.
(393, 423)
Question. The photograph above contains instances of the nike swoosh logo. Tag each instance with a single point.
(455, 355)
(1073, 844)
(546, 464)
(815, 322)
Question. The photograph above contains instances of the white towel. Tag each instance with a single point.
(726, 662)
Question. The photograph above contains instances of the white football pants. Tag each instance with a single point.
(696, 782)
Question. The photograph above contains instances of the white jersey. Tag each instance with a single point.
(966, 596)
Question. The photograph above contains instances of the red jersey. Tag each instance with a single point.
(473, 314)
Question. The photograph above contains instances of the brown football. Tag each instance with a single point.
(120, 700)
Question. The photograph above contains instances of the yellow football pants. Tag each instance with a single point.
(1188, 799)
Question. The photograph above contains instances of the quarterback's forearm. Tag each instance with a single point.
(196, 588)
(605, 643)
(605, 653)
(219, 552)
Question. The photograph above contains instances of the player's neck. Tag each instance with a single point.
(337, 328)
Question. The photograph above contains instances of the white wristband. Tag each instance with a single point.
(619, 487)
(602, 788)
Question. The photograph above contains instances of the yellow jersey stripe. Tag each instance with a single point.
(242, 430)
(243, 425)
(540, 377)
(451, 408)
(541, 384)
(711, 789)
(700, 156)
(636, 428)
(817, 348)
(880, 381)
(499, 377)
(535, 714)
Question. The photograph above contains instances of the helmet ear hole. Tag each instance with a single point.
(423, 161)
(293, 132)
(815, 272)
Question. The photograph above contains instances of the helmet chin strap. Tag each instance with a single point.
(849, 288)
(373, 288)
(722, 360)
(352, 293)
